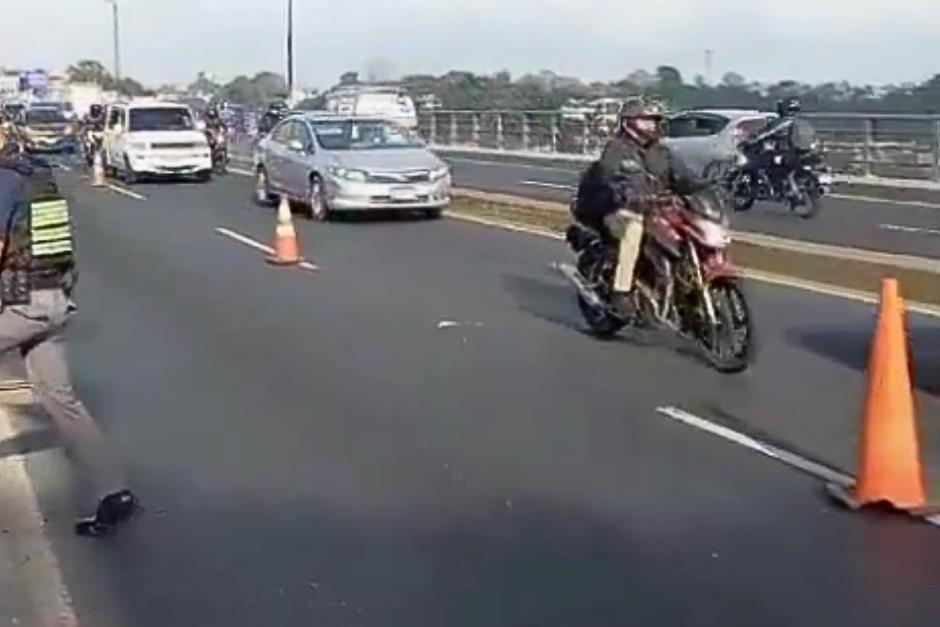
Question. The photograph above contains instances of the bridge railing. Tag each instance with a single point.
(892, 146)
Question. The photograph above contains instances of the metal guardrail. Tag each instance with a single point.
(889, 146)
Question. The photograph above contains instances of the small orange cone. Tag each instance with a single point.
(97, 172)
(889, 457)
(286, 251)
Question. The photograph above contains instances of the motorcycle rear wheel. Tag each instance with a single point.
(731, 345)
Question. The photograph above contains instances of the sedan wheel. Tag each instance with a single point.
(316, 200)
(262, 189)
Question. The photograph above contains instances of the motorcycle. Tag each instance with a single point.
(92, 142)
(683, 281)
(218, 145)
(812, 176)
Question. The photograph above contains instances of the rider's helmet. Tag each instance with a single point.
(789, 107)
(642, 121)
(212, 112)
(95, 111)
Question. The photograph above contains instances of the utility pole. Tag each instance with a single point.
(117, 39)
(709, 57)
(290, 52)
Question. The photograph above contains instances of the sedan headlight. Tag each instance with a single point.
(440, 173)
(347, 173)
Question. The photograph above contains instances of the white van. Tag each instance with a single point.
(155, 139)
(387, 103)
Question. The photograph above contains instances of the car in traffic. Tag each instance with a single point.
(702, 137)
(155, 139)
(46, 129)
(337, 163)
(378, 101)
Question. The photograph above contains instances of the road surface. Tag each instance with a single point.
(419, 434)
(912, 229)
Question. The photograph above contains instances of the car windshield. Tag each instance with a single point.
(370, 135)
(44, 116)
(157, 119)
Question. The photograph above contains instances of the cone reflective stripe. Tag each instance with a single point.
(97, 173)
(286, 251)
(889, 455)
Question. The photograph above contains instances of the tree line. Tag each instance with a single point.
(549, 91)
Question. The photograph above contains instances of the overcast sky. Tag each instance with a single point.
(863, 41)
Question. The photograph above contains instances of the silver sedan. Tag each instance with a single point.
(334, 163)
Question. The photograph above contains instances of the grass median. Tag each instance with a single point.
(863, 276)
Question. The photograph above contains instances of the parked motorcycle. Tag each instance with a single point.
(683, 280)
(813, 181)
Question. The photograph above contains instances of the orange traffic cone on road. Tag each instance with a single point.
(286, 251)
(97, 171)
(889, 457)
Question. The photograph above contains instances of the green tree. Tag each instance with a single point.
(89, 71)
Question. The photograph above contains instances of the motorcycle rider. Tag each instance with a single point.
(92, 125)
(789, 136)
(275, 113)
(617, 191)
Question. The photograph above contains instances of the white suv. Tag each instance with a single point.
(155, 139)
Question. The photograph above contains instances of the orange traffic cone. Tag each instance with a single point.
(889, 457)
(97, 171)
(286, 251)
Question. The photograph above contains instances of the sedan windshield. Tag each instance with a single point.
(166, 119)
(45, 116)
(365, 135)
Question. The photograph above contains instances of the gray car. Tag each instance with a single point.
(338, 163)
(702, 137)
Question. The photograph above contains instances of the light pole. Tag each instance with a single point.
(117, 40)
(290, 52)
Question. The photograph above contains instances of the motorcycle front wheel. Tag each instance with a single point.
(731, 343)
(810, 202)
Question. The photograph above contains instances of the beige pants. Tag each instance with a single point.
(627, 227)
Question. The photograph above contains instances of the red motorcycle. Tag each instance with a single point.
(683, 280)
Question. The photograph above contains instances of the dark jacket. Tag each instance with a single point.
(630, 175)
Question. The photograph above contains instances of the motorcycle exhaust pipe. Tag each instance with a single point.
(572, 274)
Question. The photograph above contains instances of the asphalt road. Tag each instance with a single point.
(317, 448)
(881, 226)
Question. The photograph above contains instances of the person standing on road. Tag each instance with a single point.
(37, 275)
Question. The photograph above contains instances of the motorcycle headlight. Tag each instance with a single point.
(347, 173)
(741, 160)
(713, 234)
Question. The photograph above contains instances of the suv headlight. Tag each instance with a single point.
(346, 173)
(440, 173)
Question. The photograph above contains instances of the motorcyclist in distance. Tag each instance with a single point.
(94, 120)
(789, 136)
(617, 191)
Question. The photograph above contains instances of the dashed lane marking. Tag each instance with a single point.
(814, 469)
(247, 241)
(240, 171)
(567, 188)
(900, 228)
(126, 192)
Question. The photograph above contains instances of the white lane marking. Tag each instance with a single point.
(64, 167)
(240, 172)
(810, 467)
(126, 192)
(755, 275)
(909, 229)
(548, 185)
(509, 164)
(247, 241)
(887, 201)
(25, 543)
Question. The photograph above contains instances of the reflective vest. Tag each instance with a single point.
(38, 251)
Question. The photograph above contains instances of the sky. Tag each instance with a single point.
(169, 41)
